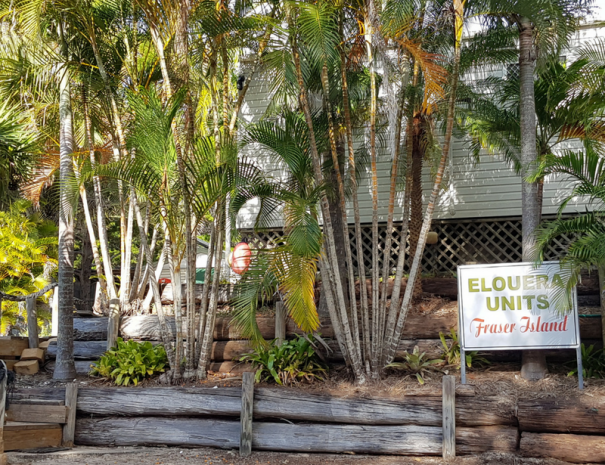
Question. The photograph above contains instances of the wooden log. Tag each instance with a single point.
(289, 404)
(32, 322)
(27, 367)
(590, 328)
(160, 401)
(3, 384)
(431, 347)
(551, 415)
(38, 394)
(36, 413)
(83, 350)
(573, 448)
(449, 417)
(245, 438)
(90, 329)
(33, 354)
(153, 431)
(71, 401)
(234, 368)
(12, 346)
(194, 432)
(23, 436)
(280, 322)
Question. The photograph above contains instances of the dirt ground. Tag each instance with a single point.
(205, 456)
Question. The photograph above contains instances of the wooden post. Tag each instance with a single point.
(449, 416)
(54, 326)
(32, 322)
(245, 439)
(280, 322)
(602, 292)
(71, 400)
(3, 460)
(113, 323)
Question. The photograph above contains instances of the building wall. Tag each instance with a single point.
(487, 189)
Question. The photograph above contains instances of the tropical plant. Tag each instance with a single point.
(451, 352)
(417, 364)
(593, 363)
(28, 257)
(129, 362)
(289, 363)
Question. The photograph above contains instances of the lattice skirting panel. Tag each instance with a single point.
(459, 242)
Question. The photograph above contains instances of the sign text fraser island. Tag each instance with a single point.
(511, 307)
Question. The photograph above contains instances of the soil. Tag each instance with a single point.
(206, 456)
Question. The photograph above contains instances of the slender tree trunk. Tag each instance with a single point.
(206, 292)
(96, 183)
(533, 361)
(177, 303)
(95, 249)
(210, 318)
(369, 38)
(65, 367)
(85, 264)
(329, 268)
(363, 293)
(165, 331)
(416, 194)
(386, 267)
(145, 308)
(428, 217)
(341, 231)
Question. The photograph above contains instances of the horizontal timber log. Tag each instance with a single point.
(573, 448)
(398, 440)
(551, 415)
(83, 367)
(90, 329)
(146, 327)
(160, 401)
(290, 404)
(83, 350)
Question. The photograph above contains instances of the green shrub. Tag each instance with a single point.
(416, 364)
(292, 361)
(130, 362)
(593, 363)
(451, 352)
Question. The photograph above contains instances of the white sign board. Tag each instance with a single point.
(510, 306)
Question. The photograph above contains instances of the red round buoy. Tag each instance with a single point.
(240, 258)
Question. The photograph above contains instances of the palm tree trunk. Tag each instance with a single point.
(342, 222)
(165, 331)
(533, 361)
(369, 24)
(174, 263)
(65, 367)
(158, 272)
(386, 256)
(96, 183)
(206, 349)
(428, 217)
(416, 195)
(206, 290)
(363, 292)
(329, 267)
(93, 244)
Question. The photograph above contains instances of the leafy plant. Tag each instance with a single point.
(593, 363)
(451, 352)
(292, 361)
(417, 364)
(130, 362)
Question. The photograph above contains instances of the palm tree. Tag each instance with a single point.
(543, 25)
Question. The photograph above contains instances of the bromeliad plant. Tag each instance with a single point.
(289, 363)
(451, 352)
(417, 364)
(130, 362)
